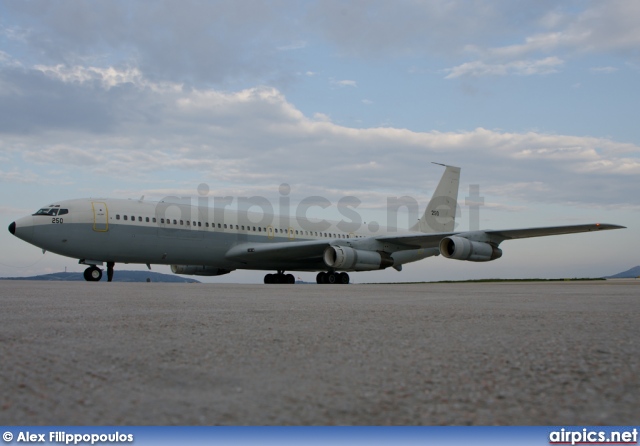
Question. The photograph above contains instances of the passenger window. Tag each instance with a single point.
(181, 222)
(225, 226)
(133, 218)
(139, 218)
(259, 229)
(146, 219)
(154, 220)
(117, 216)
(125, 217)
(188, 223)
(200, 224)
(219, 226)
(254, 229)
(175, 222)
(162, 220)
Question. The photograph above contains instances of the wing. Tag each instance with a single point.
(512, 234)
(416, 240)
(308, 255)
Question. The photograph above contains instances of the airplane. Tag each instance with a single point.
(207, 241)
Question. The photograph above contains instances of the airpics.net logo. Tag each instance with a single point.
(260, 211)
(590, 436)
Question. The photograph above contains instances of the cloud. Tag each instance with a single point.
(192, 41)
(107, 77)
(237, 43)
(374, 29)
(599, 28)
(344, 83)
(519, 67)
(298, 45)
(16, 176)
(603, 70)
(256, 138)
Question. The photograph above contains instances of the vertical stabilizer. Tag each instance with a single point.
(440, 214)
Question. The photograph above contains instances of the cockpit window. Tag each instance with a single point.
(47, 212)
(63, 211)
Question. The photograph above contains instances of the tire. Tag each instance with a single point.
(92, 274)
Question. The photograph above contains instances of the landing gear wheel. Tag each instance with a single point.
(332, 277)
(92, 274)
(280, 278)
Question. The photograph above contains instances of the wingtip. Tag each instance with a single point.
(609, 226)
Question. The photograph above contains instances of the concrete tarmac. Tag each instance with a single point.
(415, 354)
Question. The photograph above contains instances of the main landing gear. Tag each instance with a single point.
(280, 277)
(94, 274)
(332, 277)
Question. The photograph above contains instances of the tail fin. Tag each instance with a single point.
(440, 214)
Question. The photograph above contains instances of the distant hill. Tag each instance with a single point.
(629, 274)
(118, 276)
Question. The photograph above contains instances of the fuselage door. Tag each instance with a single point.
(100, 216)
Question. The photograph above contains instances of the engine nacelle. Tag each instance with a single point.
(199, 270)
(343, 258)
(460, 248)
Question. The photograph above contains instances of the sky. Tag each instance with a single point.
(536, 101)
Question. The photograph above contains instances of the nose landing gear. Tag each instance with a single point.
(92, 274)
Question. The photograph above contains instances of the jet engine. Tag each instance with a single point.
(460, 248)
(199, 270)
(342, 258)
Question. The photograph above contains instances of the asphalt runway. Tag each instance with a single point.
(415, 354)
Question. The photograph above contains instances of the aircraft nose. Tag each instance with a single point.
(12, 228)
